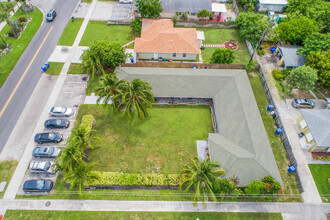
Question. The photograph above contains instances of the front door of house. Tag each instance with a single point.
(155, 55)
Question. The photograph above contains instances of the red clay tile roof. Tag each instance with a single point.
(159, 35)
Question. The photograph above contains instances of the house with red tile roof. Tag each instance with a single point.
(159, 39)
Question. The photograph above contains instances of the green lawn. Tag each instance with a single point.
(221, 35)
(76, 68)
(160, 144)
(8, 62)
(70, 32)
(7, 169)
(46, 214)
(100, 30)
(290, 183)
(321, 175)
(93, 84)
(54, 68)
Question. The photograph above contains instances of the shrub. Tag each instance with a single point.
(223, 55)
(137, 179)
(252, 65)
(268, 179)
(277, 74)
(184, 16)
(327, 158)
(22, 19)
(87, 122)
(261, 52)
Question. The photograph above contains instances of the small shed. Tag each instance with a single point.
(288, 56)
(271, 5)
(200, 38)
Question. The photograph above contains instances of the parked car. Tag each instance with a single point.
(46, 152)
(60, 112)
(38, 185)
(303, 103)
(126, 1)
(46, 167)
(53, 137)
(51, 15)
(57, 123)
(328, 103)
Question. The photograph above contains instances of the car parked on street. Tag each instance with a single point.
(51, 15)
(49, 137)
(46, 152)
(60, 112)
(45, 167)
(57, 123)
(303, 103)
(38, 185)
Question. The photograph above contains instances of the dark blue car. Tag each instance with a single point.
(52, 137)
(38, 185)
(57, 123)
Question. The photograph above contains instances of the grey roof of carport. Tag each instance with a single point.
(186, 5)
(241, 146)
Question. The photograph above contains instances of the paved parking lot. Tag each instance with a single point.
(114, 11)
(72, 95)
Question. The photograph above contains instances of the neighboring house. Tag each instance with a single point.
(184, 6)
(316, 126)
(159, 39)
(272, 5)
(240, 141)
(288, 56)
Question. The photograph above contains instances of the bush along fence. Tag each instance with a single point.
(279, 124)
(157, 64)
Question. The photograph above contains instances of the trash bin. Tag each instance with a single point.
(270, 107)
(278, 131)
(44, 68)
(291, 169)
(47, 64)
(194, 67)
(132, 59)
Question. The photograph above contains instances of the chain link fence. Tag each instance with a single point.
(279, 124)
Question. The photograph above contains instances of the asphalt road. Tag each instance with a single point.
(18, 101)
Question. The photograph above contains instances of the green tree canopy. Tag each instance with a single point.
(149, 8)
(248, 5)
(136, 27)
(320, 61)
(200, 176)
(251, 26)
(295, 30)
(315, 42)
(109, 87)
(223, 55)
(316, 10)
(303, 78)
(5, 9)
(103, 53)
(205, 13)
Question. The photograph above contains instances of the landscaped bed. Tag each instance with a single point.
(321, 175)
(42, 214)
(8, 62)
(100, 30)
(221, 35)
(160, 144)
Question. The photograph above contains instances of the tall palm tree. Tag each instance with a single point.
(5, 8)
(200, 176)
(81, 176)
(91, 62)
(109, 87)
(69, 158)
(134, 97)
(82, 138)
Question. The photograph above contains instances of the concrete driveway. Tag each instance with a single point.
(114, 11)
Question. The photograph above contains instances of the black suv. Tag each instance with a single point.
(53, 137)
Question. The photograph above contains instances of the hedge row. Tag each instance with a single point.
(87, 122)
(137, 179)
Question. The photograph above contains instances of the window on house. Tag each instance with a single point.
(184, 55)
(174, 54)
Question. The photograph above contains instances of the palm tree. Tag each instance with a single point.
(70, 158)
(81, 176)
(200, 176)
(91, 62)
(82, 138)
(5, 8)
(134, 97)
(109, 87)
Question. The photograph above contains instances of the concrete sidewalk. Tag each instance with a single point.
(289, 210)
